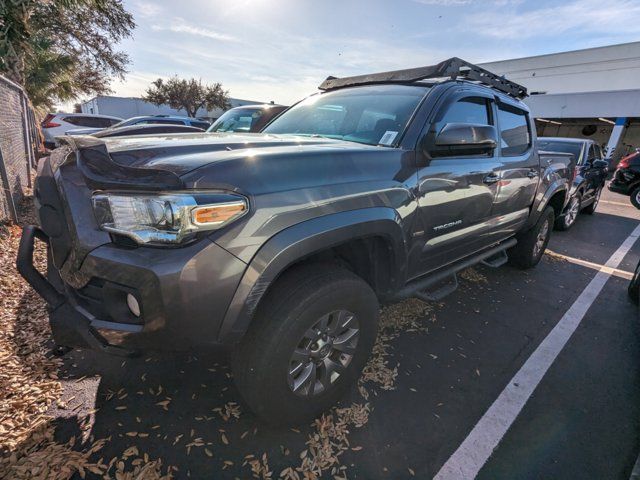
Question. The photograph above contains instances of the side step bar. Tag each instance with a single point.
(496, 260)
(493, 257)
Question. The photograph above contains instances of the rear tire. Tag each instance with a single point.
(285, 371)
(568, 218)
(532, 243)
(635, 198)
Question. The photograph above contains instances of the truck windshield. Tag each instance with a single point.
(374, 115)
(237, 120)
(563, 147)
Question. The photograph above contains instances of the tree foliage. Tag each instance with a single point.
(60, 49)
(189, 95)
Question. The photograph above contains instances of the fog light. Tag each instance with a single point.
(133, 305)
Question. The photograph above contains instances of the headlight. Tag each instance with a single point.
(165, 218)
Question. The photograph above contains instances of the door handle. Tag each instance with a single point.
(491, 178)
(532, 173)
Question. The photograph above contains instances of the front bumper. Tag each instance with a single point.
(624, 181)
(183, 294)
(619, 187)
(69, 325)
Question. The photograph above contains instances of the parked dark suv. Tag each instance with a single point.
(281, 245)
(626, 179)
(589, 176)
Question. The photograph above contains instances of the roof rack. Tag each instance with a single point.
(452, 68)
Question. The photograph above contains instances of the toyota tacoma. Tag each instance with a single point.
(281, 245)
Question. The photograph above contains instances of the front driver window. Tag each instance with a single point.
(473, 110)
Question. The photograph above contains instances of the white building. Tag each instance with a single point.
(593, 93)
(127, 107)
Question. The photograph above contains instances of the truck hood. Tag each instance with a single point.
(183, 153)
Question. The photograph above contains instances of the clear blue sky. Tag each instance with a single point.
(282, 49)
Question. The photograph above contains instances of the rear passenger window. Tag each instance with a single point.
(74, 120)
(515, 137)
(93, 122)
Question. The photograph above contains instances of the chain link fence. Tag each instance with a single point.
(18, 134)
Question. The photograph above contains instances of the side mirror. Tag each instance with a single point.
(600, 164)
(465, 139)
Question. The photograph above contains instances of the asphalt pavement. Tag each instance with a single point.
(582, 420)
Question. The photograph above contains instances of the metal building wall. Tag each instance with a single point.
(609, 68)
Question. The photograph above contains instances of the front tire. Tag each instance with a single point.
(591, 209)
(568, 219)
(635, 198)
(532, 243)
(309, 342)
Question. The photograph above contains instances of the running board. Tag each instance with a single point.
(420, 288)
(496, 260)
(438, 293)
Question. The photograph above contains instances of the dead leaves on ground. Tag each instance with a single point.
(28, 385)
(28, 377)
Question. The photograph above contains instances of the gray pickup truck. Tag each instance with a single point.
(280, 245)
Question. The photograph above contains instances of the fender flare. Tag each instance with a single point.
(300, 241)
(559, 185)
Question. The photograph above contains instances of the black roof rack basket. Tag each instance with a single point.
(452, 68)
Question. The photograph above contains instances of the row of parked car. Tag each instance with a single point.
(251, 118)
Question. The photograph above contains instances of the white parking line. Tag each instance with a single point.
(475, 450)
(595, 266)
(615, 203)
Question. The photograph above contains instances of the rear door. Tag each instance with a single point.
(455, 193)
(519, 168)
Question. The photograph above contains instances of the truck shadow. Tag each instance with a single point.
(179, 407)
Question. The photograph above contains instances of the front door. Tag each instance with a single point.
(455, 193)
(594, 176)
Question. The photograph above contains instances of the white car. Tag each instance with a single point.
(56, 124)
